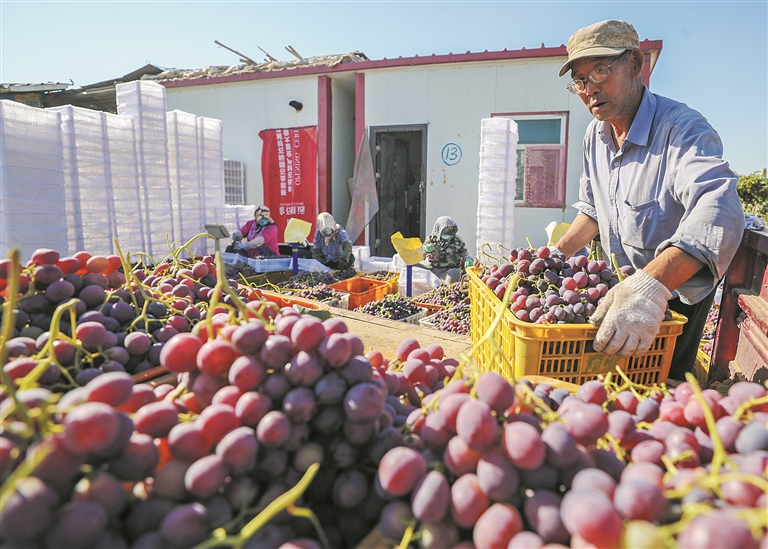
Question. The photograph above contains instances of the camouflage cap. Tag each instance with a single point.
(601, 39)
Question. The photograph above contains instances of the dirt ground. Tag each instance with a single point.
(385, 335)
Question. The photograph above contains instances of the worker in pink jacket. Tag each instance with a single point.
(260, 235)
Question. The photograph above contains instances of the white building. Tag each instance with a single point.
(422, 115)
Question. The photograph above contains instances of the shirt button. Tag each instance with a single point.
(615, 164)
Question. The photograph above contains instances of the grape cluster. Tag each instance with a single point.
(530, 466)
(446, 295)
(550, 289)
(392, 306)
(455, 319)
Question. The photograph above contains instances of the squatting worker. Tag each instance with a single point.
(656, 190)
(260, 235)
(332, 246)
(445, 250)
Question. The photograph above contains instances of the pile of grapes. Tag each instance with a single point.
(80, 317)
(455, 319)
(310, 279)
(392, 306)
(282, 432)
(321, 292)
(446, 295)
(382, 276)
(239, 269)
(611, 466)
(547, 288)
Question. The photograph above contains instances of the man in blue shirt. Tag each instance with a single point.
(656, 190)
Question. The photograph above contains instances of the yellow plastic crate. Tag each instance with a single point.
(559, 351)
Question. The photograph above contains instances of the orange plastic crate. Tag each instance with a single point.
(361, 290)
(559, 351)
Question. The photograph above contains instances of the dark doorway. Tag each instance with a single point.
(400, 161)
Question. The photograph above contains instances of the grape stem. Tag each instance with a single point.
(282, 502)
(24, 469)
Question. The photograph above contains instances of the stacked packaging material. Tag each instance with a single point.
(232, 216)
(145, 102)
(31, 180)
(90, 202)
(124, 174)
(186, 186)
(496, 185)
(210, 151)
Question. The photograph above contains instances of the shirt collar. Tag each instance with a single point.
(640, 130)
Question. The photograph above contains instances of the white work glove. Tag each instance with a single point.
(241, 246)
(630, 315)
(237, 235)
(257, 242)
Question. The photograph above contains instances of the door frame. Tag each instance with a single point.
(400, 128)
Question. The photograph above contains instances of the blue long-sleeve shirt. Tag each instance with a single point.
(666, 186)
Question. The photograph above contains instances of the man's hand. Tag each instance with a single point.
(630, 315)
(343, 264)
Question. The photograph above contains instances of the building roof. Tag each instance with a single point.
(321, 61)
(33, 88)
(100, 96)
(358, 62)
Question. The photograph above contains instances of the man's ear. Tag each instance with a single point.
(636, 60)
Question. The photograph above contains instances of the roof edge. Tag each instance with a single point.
(358, 66)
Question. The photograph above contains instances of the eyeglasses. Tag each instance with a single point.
(598, 75)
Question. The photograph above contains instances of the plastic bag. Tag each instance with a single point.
(297, 230)
(410, 249)
(555, 232)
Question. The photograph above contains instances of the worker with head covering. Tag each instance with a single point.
(260, 235)
(331, 245)
(444, 248)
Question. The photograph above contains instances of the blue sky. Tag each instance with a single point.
(715, 54)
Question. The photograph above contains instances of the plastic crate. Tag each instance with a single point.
(416, 318)
(269, 278)
(341, 302)
(393, 283)
(426, 322)
(282, 300)
(361, 290)
(560, 351)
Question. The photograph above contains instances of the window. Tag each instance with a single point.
(540, 159)
(234, 192)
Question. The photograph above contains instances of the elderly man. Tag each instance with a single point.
(656, 190)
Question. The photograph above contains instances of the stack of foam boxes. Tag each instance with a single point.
(187, 189)
(90, 200)
(145, 102)
(496, 185)
(31, 180)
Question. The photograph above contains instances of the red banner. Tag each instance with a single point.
(289, 171)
